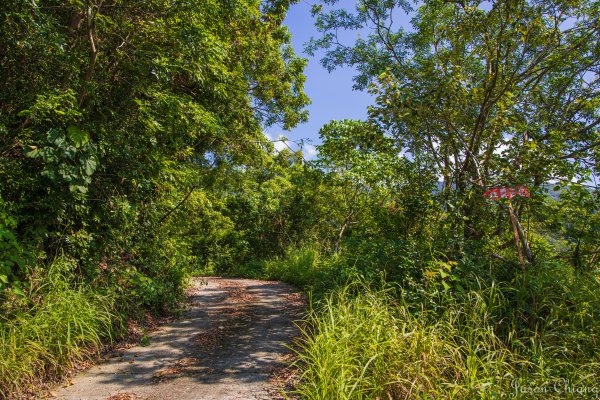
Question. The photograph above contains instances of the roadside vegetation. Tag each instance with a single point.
(132, 156)
(370, 340)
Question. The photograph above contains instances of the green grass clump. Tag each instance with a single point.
(66, 323)
(367, 345)
(301, 267)
(361, 343)
(298, 267)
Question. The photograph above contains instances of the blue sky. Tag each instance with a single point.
(331, 93)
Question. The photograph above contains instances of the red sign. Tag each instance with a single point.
(506, 193)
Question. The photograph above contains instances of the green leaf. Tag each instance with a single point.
(78, 188)
(77, 136)
(17, 290)
(90, 166)
(32, 152)
(56, 136)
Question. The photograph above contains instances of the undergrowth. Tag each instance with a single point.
(302, 267)
(63, 323)
(490, 341)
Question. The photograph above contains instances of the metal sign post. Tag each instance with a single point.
(496, 194)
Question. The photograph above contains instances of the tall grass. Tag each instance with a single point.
(472, 338)
(65, 323)
(370, 344)
(301, 267)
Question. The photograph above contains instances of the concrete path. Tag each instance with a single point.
(227, 346)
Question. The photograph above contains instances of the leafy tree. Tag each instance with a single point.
(362, 167)
(497, 93)
(574, 224)
(278, 203)
(115, 115)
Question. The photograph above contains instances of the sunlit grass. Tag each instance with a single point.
(370, 344)
(66, 323)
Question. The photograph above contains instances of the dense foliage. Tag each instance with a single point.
(476, 95)
(117, 120)
(132, 155)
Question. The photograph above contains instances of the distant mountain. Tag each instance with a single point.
(549, 188)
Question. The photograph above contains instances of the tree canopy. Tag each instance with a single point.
(487, 94)
(111, 112)
(133, 155)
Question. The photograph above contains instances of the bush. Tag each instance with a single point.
(299, 267)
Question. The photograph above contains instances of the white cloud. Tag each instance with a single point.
(310, 152)
(501, 149)
(281, 144)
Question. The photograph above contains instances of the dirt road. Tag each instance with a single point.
(227, 346)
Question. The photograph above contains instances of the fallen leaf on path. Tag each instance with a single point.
(187, 361)
(124, 396)
(166, 373)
